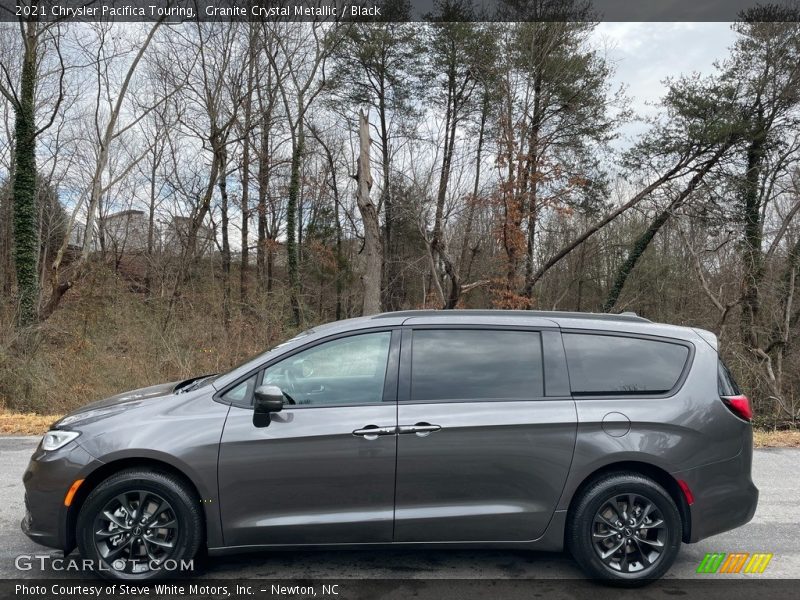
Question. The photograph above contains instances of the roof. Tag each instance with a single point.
(630, 317)
(123, 213)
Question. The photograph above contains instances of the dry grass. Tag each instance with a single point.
(12, 423)
(789, 438)
(105, 339)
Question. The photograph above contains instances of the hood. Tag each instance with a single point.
(116, 404)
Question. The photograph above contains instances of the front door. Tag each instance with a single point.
(323, 470)
(483, 451)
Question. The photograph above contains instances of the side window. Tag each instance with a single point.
(241, 393)
(476, 364)
(608, 364)
(348, 370)
(726, 382)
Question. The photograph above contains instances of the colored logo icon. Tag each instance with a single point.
(734, 562)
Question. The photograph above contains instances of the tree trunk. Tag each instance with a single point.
(509, 192)
(291, 226)
(394, 292)
(151, 225)
(465, 261)
(532, 181)
(644, 240)
(226, 249)
(373, 259)
(6, 242)
(339, 261)
(637, 250)
(26, 240)
(567, 248)
(581, 278)
(263, 185)
(339, 257)
(753, 263)
(437, 244)
(244, 274)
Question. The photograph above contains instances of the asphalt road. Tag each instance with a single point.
(775, 528)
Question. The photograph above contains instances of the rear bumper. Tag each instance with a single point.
(724, 495)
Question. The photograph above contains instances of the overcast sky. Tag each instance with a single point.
(645, 54)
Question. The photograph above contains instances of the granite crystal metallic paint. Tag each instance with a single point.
(460, 472)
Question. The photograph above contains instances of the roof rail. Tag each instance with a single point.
(625, 316)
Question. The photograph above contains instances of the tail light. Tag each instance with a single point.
(739, 405)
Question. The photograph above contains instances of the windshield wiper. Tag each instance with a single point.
(195, 384)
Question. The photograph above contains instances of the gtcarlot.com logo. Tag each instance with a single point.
(734, 562)
(45, 562)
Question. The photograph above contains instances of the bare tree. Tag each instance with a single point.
(306, 79)
(106, 134)
(369, 215)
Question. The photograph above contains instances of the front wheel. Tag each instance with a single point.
(139, 525)
(625, 530)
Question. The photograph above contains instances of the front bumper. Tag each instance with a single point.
(724, 495)
(47, 479)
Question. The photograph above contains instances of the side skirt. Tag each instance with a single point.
(551, 541)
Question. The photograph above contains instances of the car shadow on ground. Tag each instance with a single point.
(391, 564)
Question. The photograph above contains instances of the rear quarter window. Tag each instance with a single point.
(615, 365)
(726, 382)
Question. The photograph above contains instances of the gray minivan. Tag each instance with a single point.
(608, 435)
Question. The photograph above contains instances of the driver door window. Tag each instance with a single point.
(349, 370)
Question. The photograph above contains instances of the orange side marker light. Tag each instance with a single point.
(71, 492)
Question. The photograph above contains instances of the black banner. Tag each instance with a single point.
(396, 589)
(176, 11)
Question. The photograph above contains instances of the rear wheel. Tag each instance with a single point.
(625, 530)
(139, 524)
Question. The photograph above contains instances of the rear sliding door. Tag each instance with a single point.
(486, 433)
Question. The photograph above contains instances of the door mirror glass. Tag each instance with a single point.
(267, 399)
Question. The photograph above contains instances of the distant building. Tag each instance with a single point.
(76, 234)
(125, 231)
(176, 236)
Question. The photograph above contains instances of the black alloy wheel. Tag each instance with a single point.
(135, 531)
(629, 533)
(624, 529)
(140, 524)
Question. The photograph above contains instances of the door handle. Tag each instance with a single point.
(371, 432)
(421, 429)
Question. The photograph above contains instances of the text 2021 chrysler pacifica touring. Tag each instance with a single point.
(608, 435)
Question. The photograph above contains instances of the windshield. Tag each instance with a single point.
(208, 379)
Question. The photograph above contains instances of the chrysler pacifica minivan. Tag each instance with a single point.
(607, 435)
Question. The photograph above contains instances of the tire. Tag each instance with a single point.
(119, 546)
(645, 550)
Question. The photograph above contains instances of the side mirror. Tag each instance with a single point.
(267, 399)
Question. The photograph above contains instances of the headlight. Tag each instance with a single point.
(55, 439)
